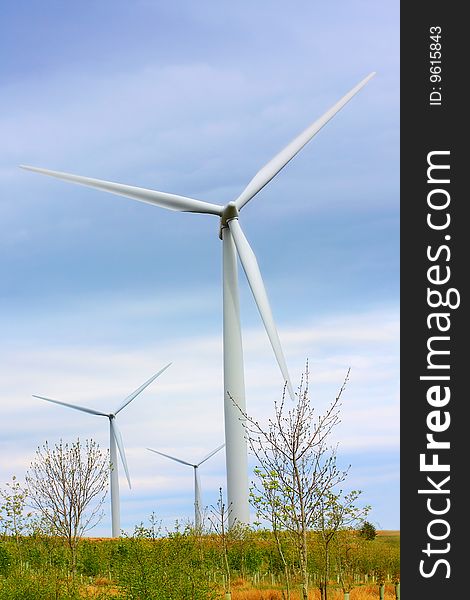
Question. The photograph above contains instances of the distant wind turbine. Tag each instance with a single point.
(115, 439)
(197, 482)
(234, 242)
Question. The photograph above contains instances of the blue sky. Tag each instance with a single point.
(98, 292)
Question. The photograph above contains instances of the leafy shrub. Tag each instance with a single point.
(29, 587)
(368, 531)
(89, 559)
(5, 560)
(165, 569)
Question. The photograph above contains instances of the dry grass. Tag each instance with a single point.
(252, 594)
(366, 592)
(242, 590)
(102, 587)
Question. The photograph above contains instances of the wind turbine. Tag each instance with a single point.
(197, 483)
(234, 242)
(115, 439)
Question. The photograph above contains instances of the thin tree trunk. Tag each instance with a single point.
(303, 530)
(73, 557)
(327, 569)
(284, 563)
(303, 565)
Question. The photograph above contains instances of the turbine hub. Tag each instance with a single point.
(229, 212)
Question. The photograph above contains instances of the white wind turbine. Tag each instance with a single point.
(234, 241)
(197, 482)
(115, 439)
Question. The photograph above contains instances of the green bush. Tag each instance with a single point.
(368, 531)
(34, 556)
(89, 559)
(5, 560)
(165, 569)
(25, 586)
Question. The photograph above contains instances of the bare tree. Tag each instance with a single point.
(219, 521)
(296, 469)
(67, 484)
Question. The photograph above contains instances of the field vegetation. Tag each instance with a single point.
(185, 564)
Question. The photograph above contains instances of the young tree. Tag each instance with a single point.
(349, 558)
(296, 467)
(13, 518)
(219, 521)
(267, 499)
(337, 512)
(368, 531)
(67, 485)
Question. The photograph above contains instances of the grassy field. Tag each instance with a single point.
(187, 566)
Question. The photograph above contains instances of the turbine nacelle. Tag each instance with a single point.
(229, 212)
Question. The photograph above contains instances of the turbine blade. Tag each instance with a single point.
(140, 389)
(272, 168)
(75, 406)
(118, 437)
(171, 201)
(252, 272)
(183, 462)
(210, 455)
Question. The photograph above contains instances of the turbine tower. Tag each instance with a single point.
(115, 440)
(234, 242)
(197, 482)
